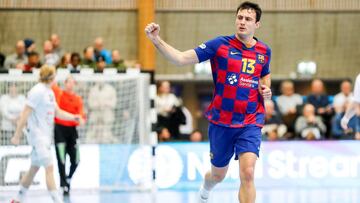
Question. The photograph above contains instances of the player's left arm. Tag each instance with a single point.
(265, 83)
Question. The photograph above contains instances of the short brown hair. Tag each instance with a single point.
(47, 73)
(250, 5)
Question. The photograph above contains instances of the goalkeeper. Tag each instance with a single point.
(66, 134)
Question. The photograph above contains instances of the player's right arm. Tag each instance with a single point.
(170, 53)
(15, 140)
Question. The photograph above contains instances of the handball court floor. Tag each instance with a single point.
(274, 195)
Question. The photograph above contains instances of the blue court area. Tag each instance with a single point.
(275, 195)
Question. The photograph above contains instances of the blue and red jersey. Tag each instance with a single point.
(236, 71)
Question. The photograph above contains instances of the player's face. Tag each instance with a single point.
(246, 23)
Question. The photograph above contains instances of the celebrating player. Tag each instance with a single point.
(38, 116)
(241, 73)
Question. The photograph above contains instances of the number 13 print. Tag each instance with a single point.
(248, 66)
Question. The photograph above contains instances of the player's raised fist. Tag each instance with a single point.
(152, 31)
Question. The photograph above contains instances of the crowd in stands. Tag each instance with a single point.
(97, 57)
(289, 116)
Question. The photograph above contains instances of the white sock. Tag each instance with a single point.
(55, 196)
(21, 194)
(204, 193)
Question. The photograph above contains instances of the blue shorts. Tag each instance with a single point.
(225, 141)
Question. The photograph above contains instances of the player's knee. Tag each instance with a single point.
(218, 177)
(247, 174)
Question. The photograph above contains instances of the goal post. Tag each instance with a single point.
(119, 120)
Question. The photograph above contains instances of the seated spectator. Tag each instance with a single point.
(30, 45)
(168, 109)
(187, 128)
(56, 43)
(309, 126)
(88, 60)
(33, 61)
(319, 99)
(99, 48)
(288, 102)
(49, 57)
(163, 135)
(100, 64)
(341, 102)
(17, 59)
(12, 105)
(117, 62)
(274, 129)
(74, 65)
(196, 136)
(64, 61)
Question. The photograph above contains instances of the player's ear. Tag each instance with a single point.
(257, 24)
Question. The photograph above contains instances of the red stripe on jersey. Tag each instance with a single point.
(221, 76)
(223, 51)
(225, 117)
(240, 106)
(229, 91)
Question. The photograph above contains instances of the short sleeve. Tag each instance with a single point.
(33, 98)
(266, 69)
(208, 49)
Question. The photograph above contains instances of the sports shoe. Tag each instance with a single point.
(203, 195)
(66, 190)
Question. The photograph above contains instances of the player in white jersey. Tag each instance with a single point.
(354, 108)
(38, 114)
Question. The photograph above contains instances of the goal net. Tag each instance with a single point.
(117, 108)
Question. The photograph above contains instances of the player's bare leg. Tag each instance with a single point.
(212, 177)
(50, 183)
(247, 192)
(25, 183)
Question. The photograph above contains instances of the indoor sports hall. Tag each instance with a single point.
(179, 101)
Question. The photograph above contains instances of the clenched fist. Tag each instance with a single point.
(152, 31)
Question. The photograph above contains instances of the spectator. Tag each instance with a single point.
(11, 106)
(164, 135)
(17, 59)
(88, 60)
(341, 102)
(274, 128)
(309, 126)
(353, 110)
(342, 99)
(30, 45)
(49, 57)
(168, 109)
(102, 101)
(99, 48)
(319, 99)
(64, 61)
(75, 60)
(33, 61)
(117, 62)
(57, 49)
(100, 64)
(196, 136)
(187, 128)
(288, 102)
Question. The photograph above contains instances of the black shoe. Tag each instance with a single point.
(66, 190)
